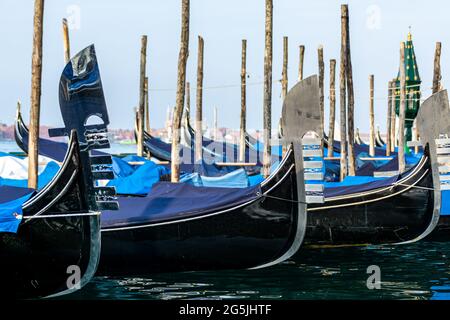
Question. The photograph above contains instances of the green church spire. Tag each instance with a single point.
(412, 88)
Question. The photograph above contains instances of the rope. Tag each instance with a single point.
(283, 199)
(211, 87)
(408, 185)
(302, 202)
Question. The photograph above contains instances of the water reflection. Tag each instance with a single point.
(419, 271)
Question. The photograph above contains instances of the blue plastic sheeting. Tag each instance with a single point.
(445, 202)
(45, 177)
(255, 180)
(169, 201)
(121, 168)
(11, 201)
(352, 181)
(192, 179)
(140, 181)
(235, 179)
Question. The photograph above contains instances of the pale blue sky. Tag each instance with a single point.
(115, 27)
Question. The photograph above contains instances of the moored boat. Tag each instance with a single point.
(399, 209)
(50, 245)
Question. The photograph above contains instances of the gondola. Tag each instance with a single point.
(55, 249)
(358, 139)
(379, 142)
(179, 227)
(400, 209)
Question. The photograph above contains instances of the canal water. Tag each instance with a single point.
(416, 271)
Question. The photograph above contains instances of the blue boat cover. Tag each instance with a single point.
(138, 182)
(169, 201)
(45, 177)
(368, 183)
(11, 201)
(235, 179)
(445, 202)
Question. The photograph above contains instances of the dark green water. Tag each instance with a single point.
(418, 271)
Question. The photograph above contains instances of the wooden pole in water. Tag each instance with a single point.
(321, 88)
(372, 117)
(350, 94)
(389, 122)
(332, 105)
(300, 62)
(147, 111)
(141, 110)
(393, 116)
(243, 101)
(342, 99)
(199, 110)
(402, 113)
(35, 107)
(268, 88)
(437, 68)
(181, 86)
(284, 74)
(66, 40)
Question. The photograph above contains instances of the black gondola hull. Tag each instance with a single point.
(391, 215)
(247, 236)
(58, 235)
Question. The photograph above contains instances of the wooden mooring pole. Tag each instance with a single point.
(388, 120)
(321, 88)
(332, 105)
(66, 40)
(147, 113)
(199, 100)
(342, 98)
(402, 113)
(35, 106)
(371, 117)
(141, 109)
(437, 68)
(268, 51)
(284, 74)
(350, 94)
(181, 86)
(393, 116)
(300, 62)
(243, 124)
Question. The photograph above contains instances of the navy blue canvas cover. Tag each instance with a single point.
(169, 201)
(11, 201)
(356, 188)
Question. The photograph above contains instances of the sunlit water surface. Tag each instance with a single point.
(418, 271)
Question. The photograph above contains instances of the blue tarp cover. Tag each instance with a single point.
(169, 201)
(138, 182)
(45, 177)
(11, 201)
(235, 179)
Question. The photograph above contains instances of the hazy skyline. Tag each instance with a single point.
(115, 27)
